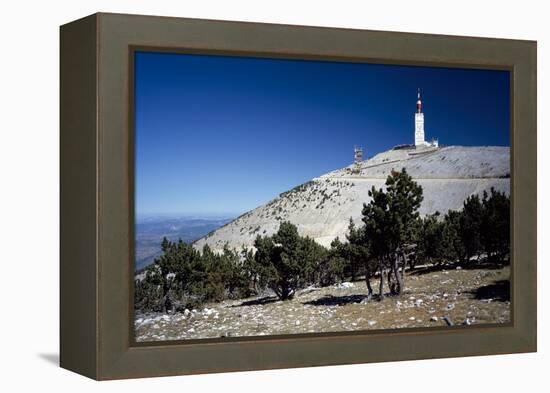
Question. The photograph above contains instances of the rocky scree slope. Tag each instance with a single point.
(321, 208)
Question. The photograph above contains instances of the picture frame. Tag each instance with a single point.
(97, 205)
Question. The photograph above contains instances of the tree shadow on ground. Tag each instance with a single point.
(421, 270)
(329, 300)
(498, 291)
(257, 302)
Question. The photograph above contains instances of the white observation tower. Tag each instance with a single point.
(419, 124)
(419, 137)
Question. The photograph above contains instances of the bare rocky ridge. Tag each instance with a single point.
(321, 208)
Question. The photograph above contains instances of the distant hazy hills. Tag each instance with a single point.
(321, 208)
(151, 230)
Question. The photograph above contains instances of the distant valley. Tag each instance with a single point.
(150, 231)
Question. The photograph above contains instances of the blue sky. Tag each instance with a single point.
(220, 135)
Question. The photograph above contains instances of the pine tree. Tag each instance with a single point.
(334, 265)
(360, 254)
(279, 258)
(165, 266)
(431, 239)
(312, 256)
(470, 226)
(495, 225)
(453, 247)
(389, 224)
(252, 271)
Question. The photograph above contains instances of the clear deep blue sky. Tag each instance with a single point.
(219, 135)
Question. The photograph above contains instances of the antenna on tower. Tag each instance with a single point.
(357, 158)
(358, 154)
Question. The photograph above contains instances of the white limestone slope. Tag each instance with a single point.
(322, 207)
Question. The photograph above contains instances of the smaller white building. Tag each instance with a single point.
(419, 136)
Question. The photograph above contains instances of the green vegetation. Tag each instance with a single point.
(390, 241)
(286, 261)
(389, 221)
(184, 278)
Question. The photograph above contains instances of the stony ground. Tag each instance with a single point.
(465, 296)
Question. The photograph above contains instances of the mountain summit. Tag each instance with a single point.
(321, 208)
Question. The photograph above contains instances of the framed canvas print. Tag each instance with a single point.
(240, 196)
